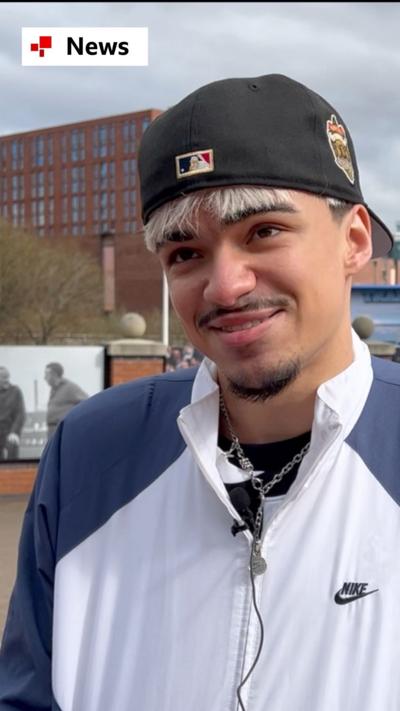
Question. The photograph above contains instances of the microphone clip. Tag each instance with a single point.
(238, 527)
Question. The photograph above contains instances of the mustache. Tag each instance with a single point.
(242, 307)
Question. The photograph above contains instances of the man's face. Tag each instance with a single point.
(4, 378)
(50, 377)
(267, 293)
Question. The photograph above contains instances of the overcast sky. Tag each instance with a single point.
(348, 52)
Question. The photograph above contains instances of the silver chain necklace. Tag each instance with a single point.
(258, 563)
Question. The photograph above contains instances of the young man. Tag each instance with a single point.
(64, 395)
(228, 538)
(12, 416)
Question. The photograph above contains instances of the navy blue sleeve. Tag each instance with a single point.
(25, 654)
(86, 474)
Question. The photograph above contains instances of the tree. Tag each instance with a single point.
(45, 290)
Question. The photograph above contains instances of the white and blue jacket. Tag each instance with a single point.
(133, 595)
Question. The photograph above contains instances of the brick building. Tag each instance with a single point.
(79, 182)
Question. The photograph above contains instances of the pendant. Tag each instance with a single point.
(258, 563)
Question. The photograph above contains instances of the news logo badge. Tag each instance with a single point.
(84, 46)
(45, 42)
(194, 163)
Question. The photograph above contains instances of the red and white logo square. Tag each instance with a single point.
(45, 42)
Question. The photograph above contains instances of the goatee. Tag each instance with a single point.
(271, 382)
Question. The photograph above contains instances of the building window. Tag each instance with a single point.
(104, 175)
(3, 155)
(77, 145)
(64, 147)
(50, 183)
(17, 155)
(51, 212)
(64, 181)
(37, 185)
(103, 140)
(37, 147)
(18, 192)
(75, 182)
(3, 189)
(78, 179)
(99, 141)
(50, 150)
(40, 184)
(129, 168)
(103, 206)
(64, 210)
(37, 213)
(95, 207)
(78, 211)
(129, 136)
(129, 200)
(75, 209)
(18, 213)
(130, 226)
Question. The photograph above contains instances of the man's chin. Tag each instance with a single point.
(263, 383)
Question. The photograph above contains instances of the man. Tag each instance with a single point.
(63, 395)
(12, 416)
(286, 437)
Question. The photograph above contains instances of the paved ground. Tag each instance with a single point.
(11, 513)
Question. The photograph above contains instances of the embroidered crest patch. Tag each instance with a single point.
(338, 142)
(189, 164)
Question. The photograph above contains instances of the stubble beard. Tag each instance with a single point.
(267, 383)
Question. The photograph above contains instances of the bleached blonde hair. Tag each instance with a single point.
(182, 214)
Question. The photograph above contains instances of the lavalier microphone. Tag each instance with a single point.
(242, 503)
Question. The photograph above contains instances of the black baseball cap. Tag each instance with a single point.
(270, 130)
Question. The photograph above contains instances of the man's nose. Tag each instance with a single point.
(230, 277)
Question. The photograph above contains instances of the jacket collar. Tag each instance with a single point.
(339, 403)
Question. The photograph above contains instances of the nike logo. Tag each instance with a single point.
(352, 591)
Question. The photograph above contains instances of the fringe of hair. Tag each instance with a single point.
(182, 214)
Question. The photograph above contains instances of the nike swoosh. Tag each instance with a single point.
(344, 600)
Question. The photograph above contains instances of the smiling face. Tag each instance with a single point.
(266, 295)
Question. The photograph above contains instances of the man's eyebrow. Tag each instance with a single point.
(176, 236)
(240, 215)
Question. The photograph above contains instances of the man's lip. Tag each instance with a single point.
(242, 318)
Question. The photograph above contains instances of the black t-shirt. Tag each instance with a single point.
(270, 459)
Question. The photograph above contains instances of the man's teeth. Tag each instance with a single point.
(241, 327)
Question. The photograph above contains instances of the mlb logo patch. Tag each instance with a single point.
(189, 164)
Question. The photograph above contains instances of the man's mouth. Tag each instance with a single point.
(240, 327)
(241, 321)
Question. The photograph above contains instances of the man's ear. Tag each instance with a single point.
(358, 247)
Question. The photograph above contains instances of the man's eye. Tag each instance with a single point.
(184, 254)
(265, 231)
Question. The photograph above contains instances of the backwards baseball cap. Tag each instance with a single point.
(270, 131)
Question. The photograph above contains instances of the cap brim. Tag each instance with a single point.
(382, 239)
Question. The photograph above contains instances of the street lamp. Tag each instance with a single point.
(108, 266)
